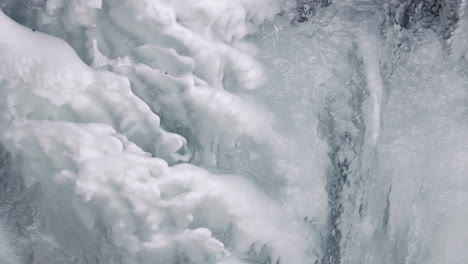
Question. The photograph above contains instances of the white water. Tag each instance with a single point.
(222, 132)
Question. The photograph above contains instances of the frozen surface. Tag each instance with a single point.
(231, 132)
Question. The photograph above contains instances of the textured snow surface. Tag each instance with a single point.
(221, 131)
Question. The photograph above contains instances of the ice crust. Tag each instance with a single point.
(155, 212)
(205, 131)
(186, 63)
(94, 155)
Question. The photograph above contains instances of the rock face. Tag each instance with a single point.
(440, 16)
(307, 8)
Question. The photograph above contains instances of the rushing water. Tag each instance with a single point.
(249, 131)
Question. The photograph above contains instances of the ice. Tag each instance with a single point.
(7, 253)
(249, 131)
(370, 53)
(350, 75)
(69, 90)
(95, 158)
(153, 210)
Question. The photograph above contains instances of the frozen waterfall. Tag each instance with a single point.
(233, 131)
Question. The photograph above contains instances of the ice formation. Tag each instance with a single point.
(90, 146)
(231, 132)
